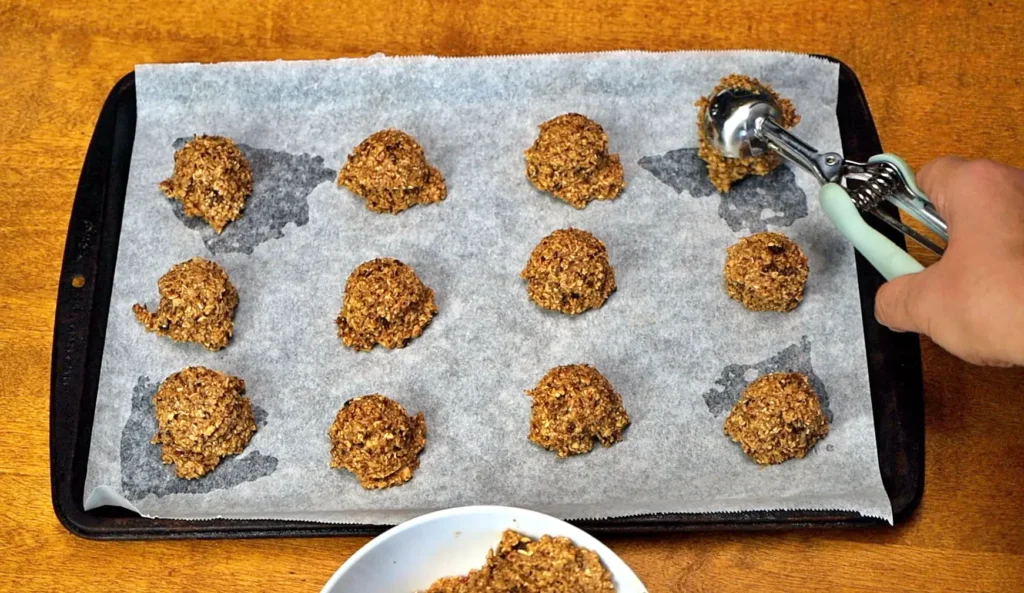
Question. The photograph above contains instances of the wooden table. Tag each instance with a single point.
(942, 79)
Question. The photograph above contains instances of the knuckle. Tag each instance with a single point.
(983, 168)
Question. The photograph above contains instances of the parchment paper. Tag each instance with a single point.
(669, 340)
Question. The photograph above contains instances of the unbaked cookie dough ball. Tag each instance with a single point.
(572, 406)
(374, 438)
(390, 172)
(385, 303)
(766, 272)
(777, 418)
(570, 160)
(724, 171)
(212, 179)
(197, 304)
(568, 271)
(202, 417)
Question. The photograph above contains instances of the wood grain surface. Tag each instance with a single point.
(941, 78)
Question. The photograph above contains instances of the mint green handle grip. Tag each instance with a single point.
(883, 254)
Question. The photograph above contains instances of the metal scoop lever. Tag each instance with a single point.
(742, 123)
(888, 177)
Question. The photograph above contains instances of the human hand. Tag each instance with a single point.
(971, 302)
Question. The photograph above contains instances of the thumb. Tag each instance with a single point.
(907, 303)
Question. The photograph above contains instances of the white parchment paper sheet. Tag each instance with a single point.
(663, 339)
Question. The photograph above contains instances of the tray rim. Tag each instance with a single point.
(79, 331)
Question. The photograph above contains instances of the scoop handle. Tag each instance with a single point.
(888, 258)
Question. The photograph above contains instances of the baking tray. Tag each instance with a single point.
(83, 298)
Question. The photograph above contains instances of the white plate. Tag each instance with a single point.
(411, 556)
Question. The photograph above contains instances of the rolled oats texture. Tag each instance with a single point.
(202, 417)
(197, 304)
(570, 160)
(569, 272)
(779, 417)
(572, 406)
(374, 438)
(766, 272)
(212, 179)
(520, 564)
(390, 171)
(384, 303)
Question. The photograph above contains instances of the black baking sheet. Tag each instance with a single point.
(894, 364)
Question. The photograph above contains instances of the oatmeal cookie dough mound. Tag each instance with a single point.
(570, 160)
(390, 172)
(374, 438)
(202, 417)
(568, 271)
(777, 418)
(212, 179)
(766, 272)
(724, 171)
(197, 304)
(523, 565)
(385, 303)
(572, 406)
